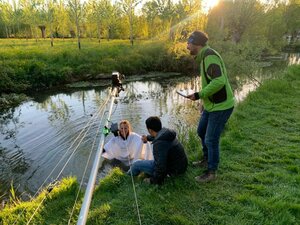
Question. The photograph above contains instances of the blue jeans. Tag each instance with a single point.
(210, 127)
(146, 166)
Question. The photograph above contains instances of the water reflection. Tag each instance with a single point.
(293, 58)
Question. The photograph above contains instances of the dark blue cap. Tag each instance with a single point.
(198, 38)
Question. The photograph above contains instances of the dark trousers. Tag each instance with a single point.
(210, 127)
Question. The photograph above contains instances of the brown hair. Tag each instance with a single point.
(127, 123)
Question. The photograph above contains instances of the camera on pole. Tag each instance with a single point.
(117, 78)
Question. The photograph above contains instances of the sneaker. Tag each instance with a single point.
(202, 163)
(206, 177)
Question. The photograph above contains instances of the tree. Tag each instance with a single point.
(16, 17)
(292, 17)
(49, 14)
(128, 7)
(6, 17)
(231, 19)
(61, 20)
(151, 14)
(274, 24)
(113, 19)
(76, 14)
(188, 16)
(165, 11)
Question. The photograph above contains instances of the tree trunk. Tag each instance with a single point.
(51, 34)
(171, 32)
(31, 32)
(78, 36)
(35, 34)
(43, 30)
(13, 31)
(236, 37)
(6, 31)
(26, 34)
(131, 26)
(51, 41)
(222, 25)
(99, 32)
(109, 31)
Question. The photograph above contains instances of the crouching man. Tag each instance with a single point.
(169, 156)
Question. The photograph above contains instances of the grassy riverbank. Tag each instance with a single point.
(258, 181)
(29, 65)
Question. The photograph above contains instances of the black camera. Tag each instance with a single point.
(116, 78)
(114, 129)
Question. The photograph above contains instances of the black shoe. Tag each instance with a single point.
(120, 164)
(208, 176)
(202, 163)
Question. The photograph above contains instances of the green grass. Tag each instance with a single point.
(258, 180)
(52, 207)
(29, 65)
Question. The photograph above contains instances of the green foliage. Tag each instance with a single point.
(242, 60)
(112, 181)
(251, 20)
(13, 198)
(33, 66)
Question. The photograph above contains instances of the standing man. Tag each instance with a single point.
(169, 156)
(218, 102)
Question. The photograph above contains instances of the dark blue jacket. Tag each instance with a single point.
(169, 156)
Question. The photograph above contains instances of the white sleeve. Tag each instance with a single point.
(139, 150)
(110, 148)
(135, 146)
(147, 151)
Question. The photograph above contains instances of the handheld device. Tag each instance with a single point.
(183, 93)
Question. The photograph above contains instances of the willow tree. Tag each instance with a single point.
(49, 14)
(6, 17)
(128, 7)
(292, 17)
(163, 10)
(33, 14)
(90, 18)
(97, 15)
(232, 19)
(113, 18)
(61, 19)
(242, 15)
(16, 17)
(76, 14)
(150, 12)
(188, 16)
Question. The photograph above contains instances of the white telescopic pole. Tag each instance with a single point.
(91, 184)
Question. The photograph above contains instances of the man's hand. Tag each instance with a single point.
(191, 97)
(144, 139)
(194, 97)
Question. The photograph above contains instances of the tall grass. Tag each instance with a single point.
(258, 180)
(28, 65)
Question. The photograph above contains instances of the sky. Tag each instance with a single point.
(208, 4)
